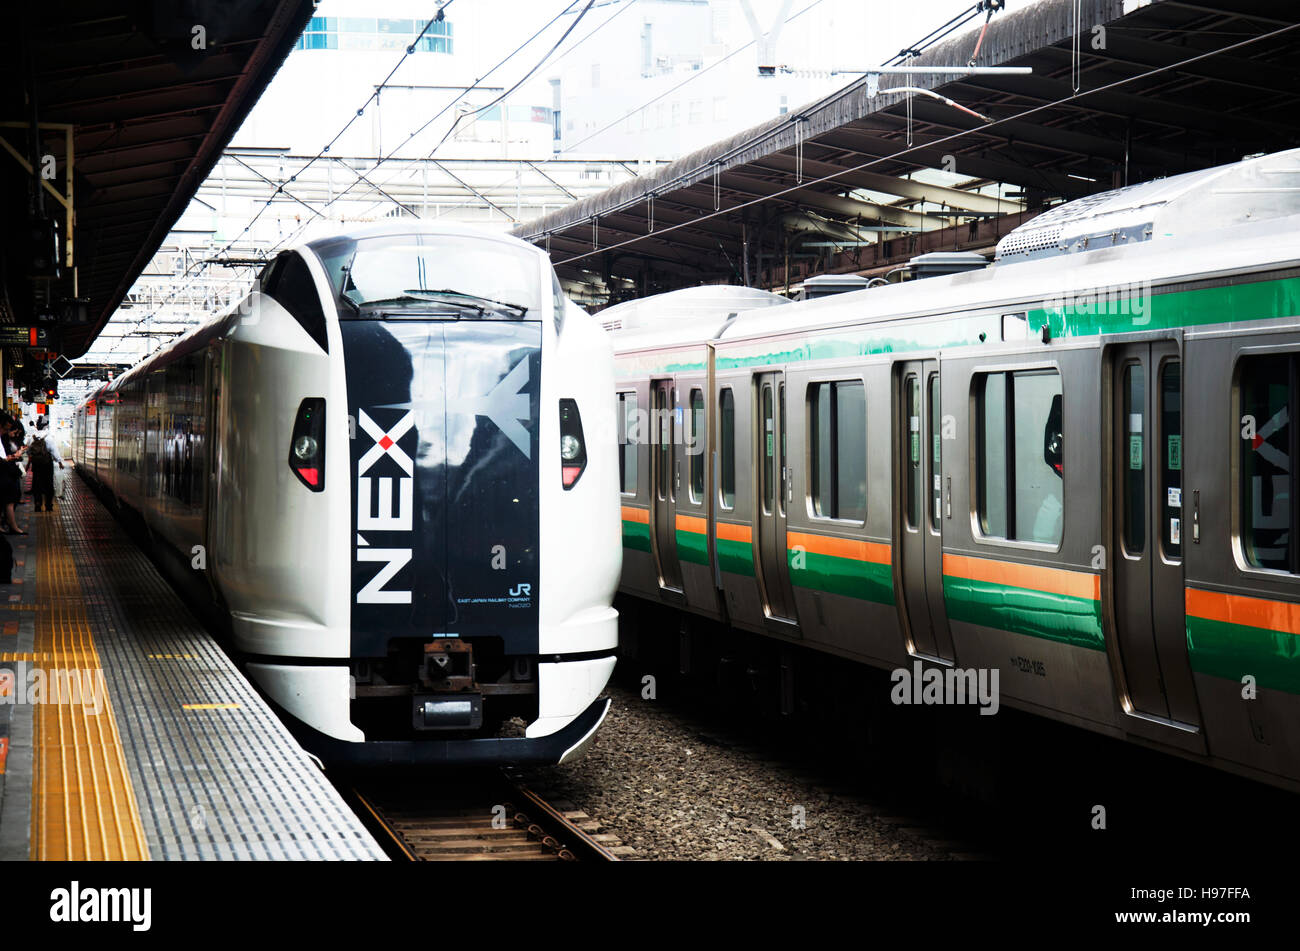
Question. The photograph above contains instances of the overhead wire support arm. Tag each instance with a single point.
(873, 80)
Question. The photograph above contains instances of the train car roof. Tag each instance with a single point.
(1040, 282)
(687, 316)
(1254, 189)
(420, 226)
(1233, 216)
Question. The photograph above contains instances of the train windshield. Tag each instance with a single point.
(466, 276)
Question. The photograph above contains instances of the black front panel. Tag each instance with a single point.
(444, 480)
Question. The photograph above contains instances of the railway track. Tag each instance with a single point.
(493, 817)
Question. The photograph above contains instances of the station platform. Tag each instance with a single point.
(125, 731)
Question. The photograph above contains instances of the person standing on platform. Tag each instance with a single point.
(11, 476)
(43, 454)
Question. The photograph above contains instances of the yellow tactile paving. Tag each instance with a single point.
(83, 806)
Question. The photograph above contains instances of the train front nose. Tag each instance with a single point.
(444, 574)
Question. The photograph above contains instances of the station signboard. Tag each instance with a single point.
(12, 336)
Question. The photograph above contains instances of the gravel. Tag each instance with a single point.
(673, 790)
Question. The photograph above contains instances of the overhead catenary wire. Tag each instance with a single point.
(374, 95)
(622, 9)
(899, 58)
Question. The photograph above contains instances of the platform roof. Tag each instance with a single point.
(150, 112)
(1163, 86)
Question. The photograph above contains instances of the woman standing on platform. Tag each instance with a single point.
(11, 486)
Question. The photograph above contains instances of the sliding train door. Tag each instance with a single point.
(918, 529)
(665, 477)
(1149, 531)
(773, 480)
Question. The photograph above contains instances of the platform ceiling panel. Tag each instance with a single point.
(151, 113)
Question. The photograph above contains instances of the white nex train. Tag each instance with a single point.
(376, 469)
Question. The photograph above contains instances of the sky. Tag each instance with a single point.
(821, 35)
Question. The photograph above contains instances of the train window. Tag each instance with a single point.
(912, 450)
(627, 442)
(1019, 446)
(1134, 462)
(767, 450)
(936, 455)
(663, 440)
(727, 448)
(1267, 392)
(697, 445)
(1171, 460)
(839, 449)
(784, 472)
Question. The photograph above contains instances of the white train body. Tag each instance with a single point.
(392, 497)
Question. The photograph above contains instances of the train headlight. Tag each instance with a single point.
(573, 449)
(304, 447)
(307, 444)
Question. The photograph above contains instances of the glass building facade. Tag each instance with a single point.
(375, 33)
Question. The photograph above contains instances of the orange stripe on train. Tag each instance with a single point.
(636, 515)
(730, 532)
(1237, 609)
(852, 548)
(1074, 584)
(692, 523)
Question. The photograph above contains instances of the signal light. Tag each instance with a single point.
(573, 448)
(307, 444)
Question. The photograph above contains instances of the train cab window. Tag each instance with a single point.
(697, 445)
(289, 281)
(1020, 455)
(838, 446)
(727, 448)
(1267, 482)
(627, 443)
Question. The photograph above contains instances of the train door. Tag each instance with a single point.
(664, 480)
(1147, 507)
(773, 479)
(919, 526)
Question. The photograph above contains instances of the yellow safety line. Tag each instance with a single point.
(83, 805)
(209, 706)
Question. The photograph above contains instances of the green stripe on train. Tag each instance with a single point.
(636, 535)
(1054, 617)
(851, 577)
(1211, 305)
(1233, 651)
(736, 558)
(692, 547)
(1260, 300)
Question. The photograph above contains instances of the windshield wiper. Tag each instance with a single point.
(407, 298)
(448, 292)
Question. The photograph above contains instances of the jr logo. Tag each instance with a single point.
(521, 590)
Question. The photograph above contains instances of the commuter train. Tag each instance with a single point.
(1072, 465)
(378, 468)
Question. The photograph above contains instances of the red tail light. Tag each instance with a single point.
(307, 444)
(573, 448)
